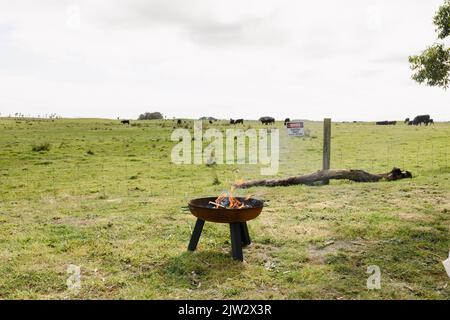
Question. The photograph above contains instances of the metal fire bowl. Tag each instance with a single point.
(202, 210)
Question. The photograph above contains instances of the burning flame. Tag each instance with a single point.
(227, 200)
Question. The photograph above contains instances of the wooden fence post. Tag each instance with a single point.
(326, 146)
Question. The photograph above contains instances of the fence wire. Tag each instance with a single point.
(121, 176)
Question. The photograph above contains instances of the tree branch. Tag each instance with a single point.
(319, 176)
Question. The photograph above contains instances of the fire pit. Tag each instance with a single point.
(235, 211)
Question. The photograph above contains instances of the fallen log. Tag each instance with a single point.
(323, 175)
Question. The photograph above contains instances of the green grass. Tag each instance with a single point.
(105, 197)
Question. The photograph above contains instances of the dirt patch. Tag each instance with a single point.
(118, 200)
(81, 222)
(260, 253)
(318, 253)
(413, 216)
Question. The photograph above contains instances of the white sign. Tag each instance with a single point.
(296, 128)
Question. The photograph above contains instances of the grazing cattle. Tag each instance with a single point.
(125, 121)
(410, 123)
(406, 120)
(421, 119)
(267, 120)
(241, 121)
(286, 121)
(212, 119)
(179, 122)
(210, 122)
(431, 121)
(232, 121)
(386, 123)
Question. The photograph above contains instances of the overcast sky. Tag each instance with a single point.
(224, 58)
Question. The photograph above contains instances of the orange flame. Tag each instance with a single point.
(233, 203)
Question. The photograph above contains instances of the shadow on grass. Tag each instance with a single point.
(191, 269)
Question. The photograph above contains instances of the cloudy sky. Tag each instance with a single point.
(224, 58)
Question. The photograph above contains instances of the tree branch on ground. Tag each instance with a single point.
(323, 175)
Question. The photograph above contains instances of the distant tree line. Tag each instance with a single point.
(151, 116)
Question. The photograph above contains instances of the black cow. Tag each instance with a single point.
(410, 123)
(406, 120)
(232, 121)
(431, 122)
(179, 122)
(125, 121)
(241, 121)
(286, 121)
(386, 123)
(267, 120)
(421, 119)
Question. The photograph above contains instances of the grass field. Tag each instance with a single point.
(106, 198)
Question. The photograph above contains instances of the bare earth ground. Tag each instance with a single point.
(106, 198)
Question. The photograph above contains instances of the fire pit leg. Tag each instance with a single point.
(246, 241)
(196, 234)
(236, 241)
